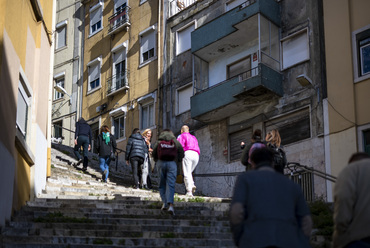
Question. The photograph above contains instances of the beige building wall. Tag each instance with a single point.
(347, 100)
(25, 54)
(142, 78)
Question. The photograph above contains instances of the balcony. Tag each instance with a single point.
(117, 83)
(177, 6)
(234, 29)
(237, 94)
(120, 20)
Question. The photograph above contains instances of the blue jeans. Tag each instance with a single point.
(104, 165)
(168, 171)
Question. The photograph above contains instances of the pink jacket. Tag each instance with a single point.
(189, 142)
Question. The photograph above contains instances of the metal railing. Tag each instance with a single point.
(177, 6)
(120, 18)
(117, 82)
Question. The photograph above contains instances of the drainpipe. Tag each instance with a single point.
(79, 112)
(160, 75)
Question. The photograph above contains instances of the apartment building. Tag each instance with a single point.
(26, 53)
(67, 70)
(347, 51)
(120, 78)
(231, 67)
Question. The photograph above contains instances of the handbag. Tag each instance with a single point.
(180, 174)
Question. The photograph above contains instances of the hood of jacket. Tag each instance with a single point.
(137, 136)
(166, 136)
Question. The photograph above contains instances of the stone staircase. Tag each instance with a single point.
(78, 210)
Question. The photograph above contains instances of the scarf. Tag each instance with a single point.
(106, 137)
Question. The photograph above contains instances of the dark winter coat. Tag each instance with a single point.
(83, 129)
(136, 146)
(169, 136)
(102, 148)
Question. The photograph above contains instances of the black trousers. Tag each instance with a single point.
(136, 163)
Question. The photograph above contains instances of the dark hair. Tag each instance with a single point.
(257, 134)
(136, 130)
(358, 156)
(167, 130)
(261, 155)
(104, 129)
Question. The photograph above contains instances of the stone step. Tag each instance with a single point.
(167, 240)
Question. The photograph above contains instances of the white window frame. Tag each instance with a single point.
(58, 77)
(360, 136)
(285, 46)
(119, 48)
(144, 102)
(25, 90)
(152, 30)
(355, 52)
(118, 113)
(180, 35)
(95, 62)
(96, 8)
(178, 90)
(61, 26)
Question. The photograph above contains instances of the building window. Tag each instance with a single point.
(59, 82)
(61, 35)
(292, 127)
(58, 127)
(147, 116)
(120, 7)
(241, 67)
(147, 44)
(361, 53)
(23, 105)
(234, 3)
(184, 38)
(295, 49)
(235, 139)
(96, 18)
(94, 74)
(119, 77)
(183, 98)
(119, 126)
(366, 142)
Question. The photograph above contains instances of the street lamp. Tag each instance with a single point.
(60, 89)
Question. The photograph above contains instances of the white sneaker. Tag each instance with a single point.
(193, 189)
(164, 207)
(189, 194)
(171, 210)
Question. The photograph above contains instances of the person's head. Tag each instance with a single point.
(147, 133)
(184, 129)
(257, 135)
(358, 156)
(81, 119)
(262, 156)
(273, 137)
(104, 129)
(136, 130)
(168, 130)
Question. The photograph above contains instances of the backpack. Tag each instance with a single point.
(167, 150)
(256, 145)
(279, 158)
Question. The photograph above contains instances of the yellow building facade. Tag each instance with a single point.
(25, 76)
(347, 45)
(121, 61)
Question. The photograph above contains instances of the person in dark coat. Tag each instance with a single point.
(256, 139)
(82, 138)
(135, 154)
(106, 143)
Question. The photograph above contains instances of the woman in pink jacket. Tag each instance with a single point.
(191, 159)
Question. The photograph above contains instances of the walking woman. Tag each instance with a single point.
(273, 141)
(106, 143)
(146, 167)
(135, 154)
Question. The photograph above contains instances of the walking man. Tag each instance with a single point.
(191, 148)
(352, 204)
(166, 152)
(268, 209)
(82, 138)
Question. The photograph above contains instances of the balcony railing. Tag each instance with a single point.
(177, 6)
(119, 20)
(117, 82)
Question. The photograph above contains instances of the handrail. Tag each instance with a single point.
(293, 166)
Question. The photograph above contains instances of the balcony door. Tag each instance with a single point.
(241, 67)
(119, 67)
(120, 11)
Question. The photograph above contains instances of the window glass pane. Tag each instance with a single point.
(58, 130)
(365, 59)
(144, 117)
(58, 95)
(151, 115)
(22, 111)
(366, 135)
(147, 45)
(122, 127)
(184, 99)
(61, 37)
(239, 67)
(235, 139)
(295, 50)
(184, 39)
